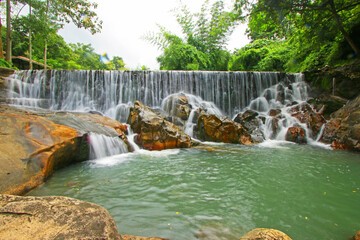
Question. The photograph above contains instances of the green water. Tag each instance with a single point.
(305, 191)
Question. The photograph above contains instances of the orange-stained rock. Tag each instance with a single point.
(343, 129)
(265, 234)
(296, 134)
(31, 147)
(155, 133)
(56, 218)
(221, 129)
(306, 114)
(34, 145)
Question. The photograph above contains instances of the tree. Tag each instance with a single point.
(1, 44)
(54, 14)
(8, 31)
(318, 16)
(206, 34)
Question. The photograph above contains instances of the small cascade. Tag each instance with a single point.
(131, 136)
(276, 105)
(187, 107)
(103, 146)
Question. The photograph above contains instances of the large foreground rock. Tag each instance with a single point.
(35, 144)
(265, 234)
(221, 129)
(154, 132)
(343, 129)
(56, 218)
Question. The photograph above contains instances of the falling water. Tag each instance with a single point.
(103, 146)
(112, 92)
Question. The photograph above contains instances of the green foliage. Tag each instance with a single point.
(309, 33)
(203, 47)
(6, 64)
(183, 57)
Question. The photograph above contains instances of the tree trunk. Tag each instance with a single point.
(45, 47)
(341, 28)
(8, 31)
(45, 54)
(1, 43)
(30, 60)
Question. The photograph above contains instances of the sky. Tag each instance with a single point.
(125, 22)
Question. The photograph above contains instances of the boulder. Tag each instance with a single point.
(221, 129)
(306, 114)
(54, 218)
(274, 112)
(343, 129)
(177, 105)
(265, 234)
(35, 144)
(252, 124)
(154, 132)
(296, 134)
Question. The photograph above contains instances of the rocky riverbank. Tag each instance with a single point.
(35, 144)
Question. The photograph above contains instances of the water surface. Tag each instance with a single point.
(305, 191)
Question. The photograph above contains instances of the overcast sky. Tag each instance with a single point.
(126, 21)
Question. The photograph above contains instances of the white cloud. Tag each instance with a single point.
(126, 21)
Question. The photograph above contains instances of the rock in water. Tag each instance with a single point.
(306, 114)
(221, 129)
(296, 134)
(265, 234)
(154, 132)
(251, 123)
(343, 129)
(54, 218)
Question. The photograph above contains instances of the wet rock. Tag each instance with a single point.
(327, 104)
(265, 234)
(35, 144)
(296, 134)
(154, 132)
(54, 218)
(178, 106)
(221, 129)
(252, 124)
(343, 129)
(280, 95)
(306, 114)
(274, 112)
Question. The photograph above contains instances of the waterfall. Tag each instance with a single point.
(112, 92)
(103, 146)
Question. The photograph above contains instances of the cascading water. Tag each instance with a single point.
(103, 146)
(113, 92)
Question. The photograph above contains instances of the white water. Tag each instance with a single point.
(114, 92)
(102, 146)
